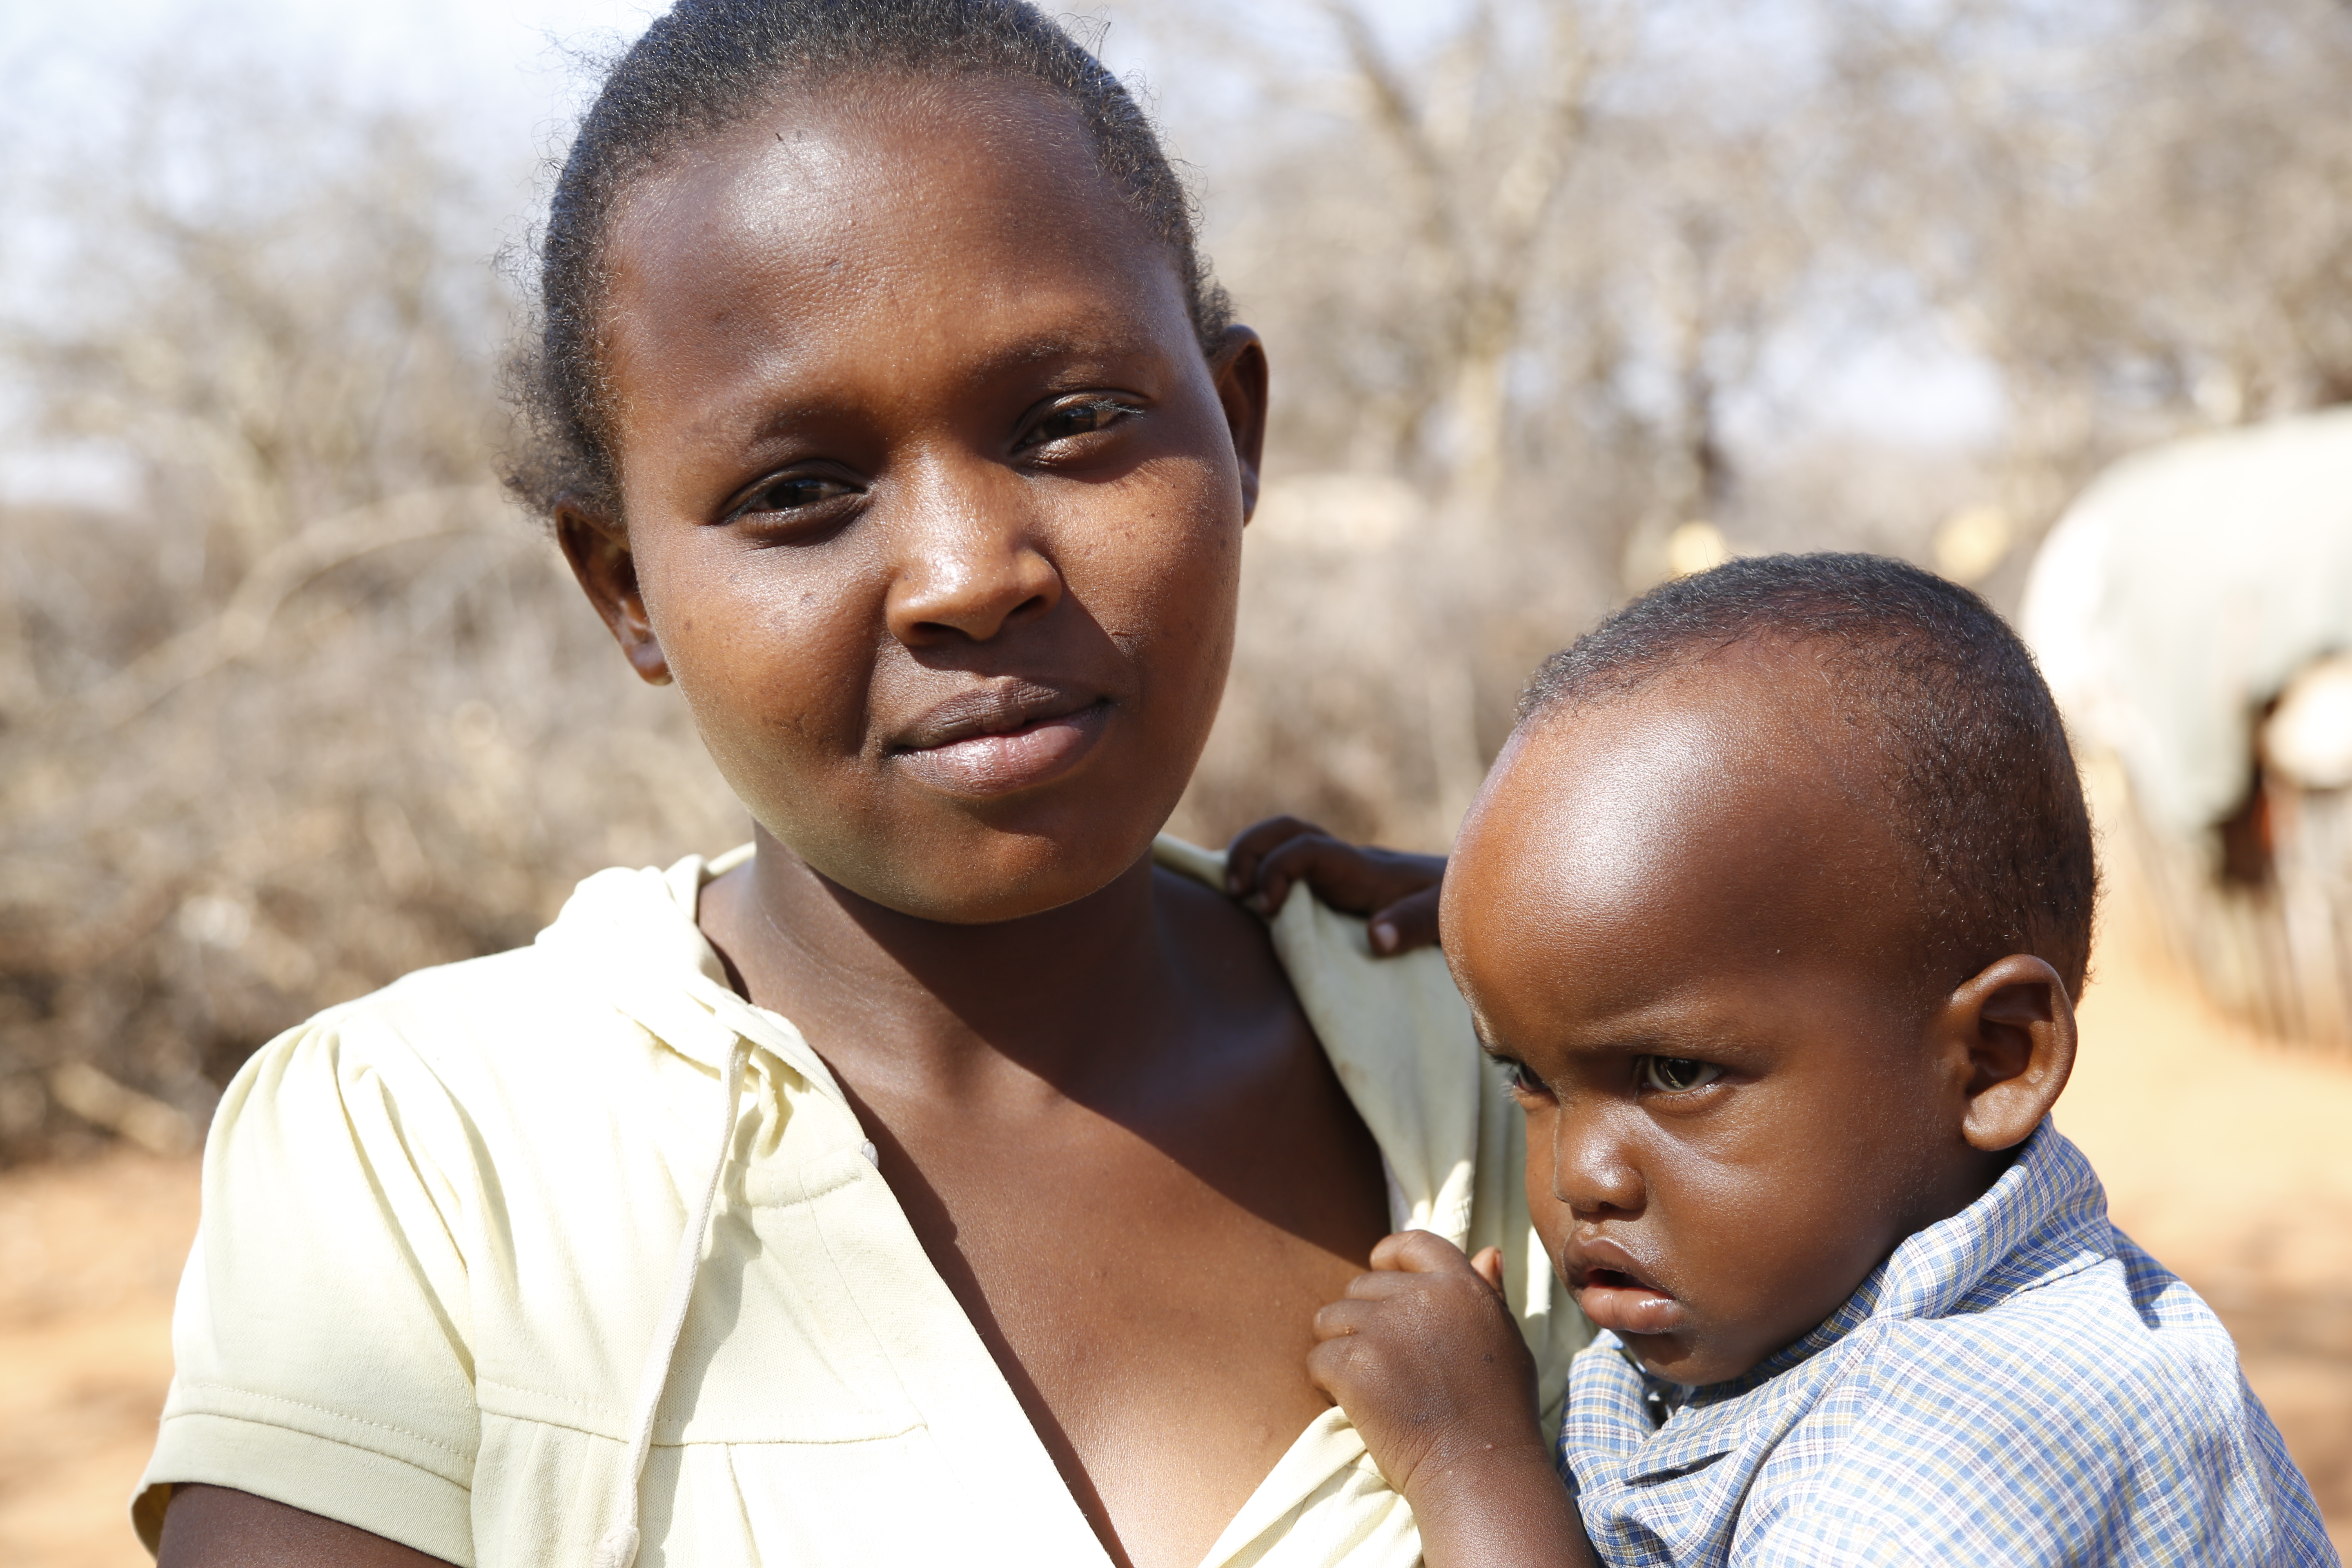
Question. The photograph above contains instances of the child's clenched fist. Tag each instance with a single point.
(1455, 1432)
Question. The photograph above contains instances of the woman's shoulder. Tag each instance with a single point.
(1397, 1033)
(1328, 956)
(438, 1017)
(1399, 1039)
(557, 1018)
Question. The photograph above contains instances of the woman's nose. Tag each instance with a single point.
(1592, 1172)
(968, 565)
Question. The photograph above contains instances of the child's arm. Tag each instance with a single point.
(1395, 890)
(1425, 1359)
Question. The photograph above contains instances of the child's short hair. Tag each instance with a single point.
(710, 64)
(1979, 777)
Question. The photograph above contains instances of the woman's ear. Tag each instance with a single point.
(1238, 368)
(598, 549)
(2012, 1029)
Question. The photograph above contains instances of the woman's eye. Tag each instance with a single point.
(1079, 419)
(1677, 1075)
(794, 492)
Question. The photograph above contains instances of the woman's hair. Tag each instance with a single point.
(710, 64)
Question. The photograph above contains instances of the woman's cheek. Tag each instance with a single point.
(776, 685)
(1195, 583)
(1159, 571)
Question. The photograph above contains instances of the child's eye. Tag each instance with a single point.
(1677, 1075)
(1082, 418)
(1519, 1079)
(791, 493)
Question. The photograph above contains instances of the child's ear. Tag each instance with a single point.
(598, 548)
(1238, 368)
(2011, 1031)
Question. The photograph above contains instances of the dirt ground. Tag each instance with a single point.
(2224, 1155)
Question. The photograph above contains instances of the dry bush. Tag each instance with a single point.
(1541, 265)
(316, 707)
(299, 706)
(1514, 271)
(2139, 212)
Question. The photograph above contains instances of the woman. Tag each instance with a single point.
(952, 1171)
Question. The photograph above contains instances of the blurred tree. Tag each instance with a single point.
(289, 703)
(294, 701)
(2138, 211)
(1521, 259)
(1481, 144)
(270, 313)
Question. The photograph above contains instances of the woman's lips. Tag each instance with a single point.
(1616, 1299)
(1002, 752)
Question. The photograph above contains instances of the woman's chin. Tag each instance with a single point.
(982, 873)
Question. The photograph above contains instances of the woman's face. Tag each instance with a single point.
(934, 508)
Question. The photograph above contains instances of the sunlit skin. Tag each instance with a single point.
(1686, 930)
(1000, 493)
(1684, 923)
(933, 512)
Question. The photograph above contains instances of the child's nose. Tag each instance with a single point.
(968, 565)
(1590, 1171)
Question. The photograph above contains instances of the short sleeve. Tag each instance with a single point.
(321, 1336)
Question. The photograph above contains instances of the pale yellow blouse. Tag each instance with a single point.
(442, 1224)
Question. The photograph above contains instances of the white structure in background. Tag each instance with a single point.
(2193, 613)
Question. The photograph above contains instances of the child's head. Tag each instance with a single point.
(1778, 899)
(882, 401)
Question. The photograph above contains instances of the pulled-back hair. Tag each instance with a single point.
(1979, 782)
(710, 64)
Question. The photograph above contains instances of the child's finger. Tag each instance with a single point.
(1339, 1320)
(1351, 878)
(1333, 1366)
(1409, 923)
(1489, 1265)
(1253, 844)
(1380, 1285)
(1337, 871)
(1418, 1252)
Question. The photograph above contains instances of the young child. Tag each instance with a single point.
(1772, 911)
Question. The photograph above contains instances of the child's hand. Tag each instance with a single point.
(1397, 891)
(1423, 1355)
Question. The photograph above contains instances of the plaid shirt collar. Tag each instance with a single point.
(2043, 1219)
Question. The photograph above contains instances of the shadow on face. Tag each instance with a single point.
(933, 501)
(1683, 917)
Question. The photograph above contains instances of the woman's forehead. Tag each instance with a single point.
(951, 223)
(854, 140)
(965, 185)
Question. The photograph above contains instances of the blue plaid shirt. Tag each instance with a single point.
(2017, 1384)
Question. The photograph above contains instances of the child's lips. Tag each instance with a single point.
(1622, 1301)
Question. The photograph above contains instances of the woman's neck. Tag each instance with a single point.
(943, 1001)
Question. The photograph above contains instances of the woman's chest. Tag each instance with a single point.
(1149, 1288)
(1155, 1330)
(827, 1402)
(845, 1390)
